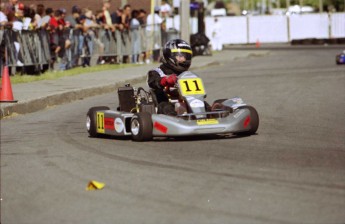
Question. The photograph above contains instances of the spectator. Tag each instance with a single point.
(126, 16)
(89, 23)
(165, 9)
(55, 35)
(9, 11)
(29, 22)
(216, 36)
(19, 12)
(11, 7)
(3, 22)
(44, 22)
(153, 33)
(116, 18)
(142, 20)
(73, 18)
(99, 17)
(3, 17)
(77, 41)
(17, 25)
(135, 37)
(53, 22)
(62, 18)
(142, 17)
(39, 15)
(107, 18)
(125, 21)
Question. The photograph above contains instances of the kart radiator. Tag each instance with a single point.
(126, 98)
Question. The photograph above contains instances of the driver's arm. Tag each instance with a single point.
(153, 80)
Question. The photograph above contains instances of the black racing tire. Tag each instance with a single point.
(337, 59)
(91, 124)
(254, 121)
(141, 127)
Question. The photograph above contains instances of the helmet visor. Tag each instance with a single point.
(182, 57)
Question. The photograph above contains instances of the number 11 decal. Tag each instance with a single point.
(192, 86)
(100, 122)
(195, 83)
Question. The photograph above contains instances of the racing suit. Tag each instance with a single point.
(154, 82)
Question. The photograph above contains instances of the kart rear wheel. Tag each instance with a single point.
(254, 121)
(91, 122)
(337, 59)
(141, 127)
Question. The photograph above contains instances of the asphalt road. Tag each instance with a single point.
(292, 171)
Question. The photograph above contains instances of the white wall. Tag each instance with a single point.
(234, 29)
(278, 28)
(309, 26)
(268, 29)
(337, 25)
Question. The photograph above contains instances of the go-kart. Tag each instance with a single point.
(137, 114)
(340, 58)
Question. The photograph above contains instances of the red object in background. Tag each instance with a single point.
(20, 6)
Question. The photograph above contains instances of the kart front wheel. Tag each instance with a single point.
(91, 120)
(141, 127)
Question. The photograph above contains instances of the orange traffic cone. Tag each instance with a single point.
(257, 44)
(6, 95)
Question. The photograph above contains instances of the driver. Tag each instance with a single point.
(177, 58)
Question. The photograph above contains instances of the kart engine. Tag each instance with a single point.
(135, 100)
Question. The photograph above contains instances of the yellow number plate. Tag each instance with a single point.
(192, 86)
(207, 121)
(100, 122)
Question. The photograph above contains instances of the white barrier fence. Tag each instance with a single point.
(278, 28)
(272, 28)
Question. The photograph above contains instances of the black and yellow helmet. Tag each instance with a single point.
(174, 49)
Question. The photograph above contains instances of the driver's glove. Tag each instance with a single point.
(168, 81)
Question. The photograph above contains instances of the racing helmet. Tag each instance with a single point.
(177, 55)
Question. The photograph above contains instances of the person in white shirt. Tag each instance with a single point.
(153, 33)
(165, 9)
(154, 21)
(3, 19)
(217, 44)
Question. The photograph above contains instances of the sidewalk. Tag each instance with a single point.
(35, 96)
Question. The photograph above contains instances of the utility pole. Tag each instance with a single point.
(184, 20)
(321, 6)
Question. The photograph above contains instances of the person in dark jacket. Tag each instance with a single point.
(177, 58)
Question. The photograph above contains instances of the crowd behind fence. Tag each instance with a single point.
(34, 50)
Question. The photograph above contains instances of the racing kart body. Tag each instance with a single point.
(340, 58)
(137, 115)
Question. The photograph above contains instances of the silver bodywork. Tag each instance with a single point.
(118, 123)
